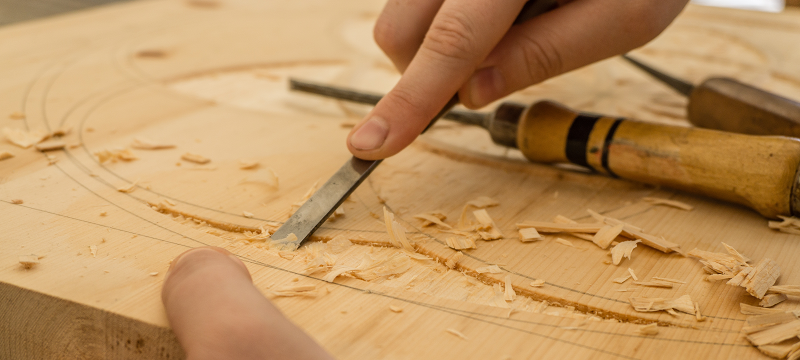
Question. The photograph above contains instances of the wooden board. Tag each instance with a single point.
(212, 80)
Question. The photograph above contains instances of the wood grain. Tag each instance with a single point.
(212, 81)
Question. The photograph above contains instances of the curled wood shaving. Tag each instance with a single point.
(457, 333)
(287, 243)
(28, 261)
(433, 218)
(529, 234)
(537, 283)
(621, 279)
(621, 250)
(633, 275)
(660, 284)
(195, 158)
(453, 260)
(667, 202)
(771, 300)
(339, 244)
(5, 155)
(397, 234)
(644, 304)
(50, 145)
(492, 269)
(370, 269)
(509, 293)
(460, 243)
(757, 279)
(144, 144)
(481, 202)
(115, 155)
(649, 329)
(23, 138)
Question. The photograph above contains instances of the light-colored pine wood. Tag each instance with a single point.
(211, 81)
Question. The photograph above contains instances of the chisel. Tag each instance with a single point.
(726, 104)
(760, 172)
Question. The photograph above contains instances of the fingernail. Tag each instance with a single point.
(371, 135)
(485, 86)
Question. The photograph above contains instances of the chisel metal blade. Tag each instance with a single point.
(676, 84)
(330, 196)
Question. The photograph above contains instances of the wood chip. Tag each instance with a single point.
(509, 293)
(155, 273)
(756, 279)
(606, 235)
(792, 290)
(397, 234)
(433, 218)
(115, 155)
(492, 269)
(93, 250)
(195, 158)
(247, 214)
(28, 261)
(623, 249)
(298, 290)
(460, 243)
(655, 283)
(565, 242)
(697, 313)
(270, 178)
(246, 164)
(529, 234)
(5, 155)
(16, 201)
(453, 260)
(537, 283)
(144, 144)
(16, 115)
(457, 333)
(50, 145)
(644, 304)
(127, 188)
(621, 279)
(649, 329)
(560, 219)
(396, 309)
(551, 227)
(339, 244)
(633, 275)
(481, 202)
(669, 280)
(667, 202)
(487, 229)
(771, 300)
(755, 310)
(24, 138)
(775, 334)
(781, 350)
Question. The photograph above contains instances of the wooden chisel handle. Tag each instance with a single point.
(756, 171)
(728, 105)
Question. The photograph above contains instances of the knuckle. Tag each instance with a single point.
(542, 59)
(387, 37)
(451, 36)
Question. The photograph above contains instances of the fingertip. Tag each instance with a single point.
(201, 258)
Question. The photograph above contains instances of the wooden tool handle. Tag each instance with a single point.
(759, 172)
(726, 104)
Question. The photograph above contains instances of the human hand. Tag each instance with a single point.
(217, 313)
(470, 47)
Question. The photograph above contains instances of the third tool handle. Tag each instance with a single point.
(756, 171)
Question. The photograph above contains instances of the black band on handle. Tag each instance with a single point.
(578, 137)
(606, 144)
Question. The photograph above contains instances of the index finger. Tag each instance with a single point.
(462, 34)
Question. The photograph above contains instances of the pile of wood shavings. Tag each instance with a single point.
(734, 267)
(775, 334)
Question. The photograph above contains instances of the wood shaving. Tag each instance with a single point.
(339, 212)
(5, 155)
(789, 225)
(621, 279)
(104, 213)
(699, 316)
(16, 201)
(771, 300)
(395, 309)
(560, 219)
(537, 283)
(28, 261)
(287, 243)
(509, 293)
(492, 269)
(127, 188)
(298, 290)
(633, 275)
(50, 145)
(481, 202)
(649, 329)
(782, 350)
(155, 273)
(635, 232)
(565, 242)
(247, 214)
(487, 229)
(23, 138)
(270, 178)
(775, 334)
(551, 227)
(433, 218)
(755, 310)
(669, 280)
(93, 250)
(460, 243)
(623, 249)
(16, 115)
(606, 235)
(115, 155)
(195, 158)
(339, 244)
(644, 304)
(457, 333)
(453, 260)
(144, 144)
(286, 255)
(370, 269)
(660, 284)
(397, 234)
(793, 290)
(667, 202)
(246, 164)
(529, 234)
(757, 279)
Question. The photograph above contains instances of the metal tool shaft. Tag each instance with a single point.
(676, 84)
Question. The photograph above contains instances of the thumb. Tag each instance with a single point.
(461, 36)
